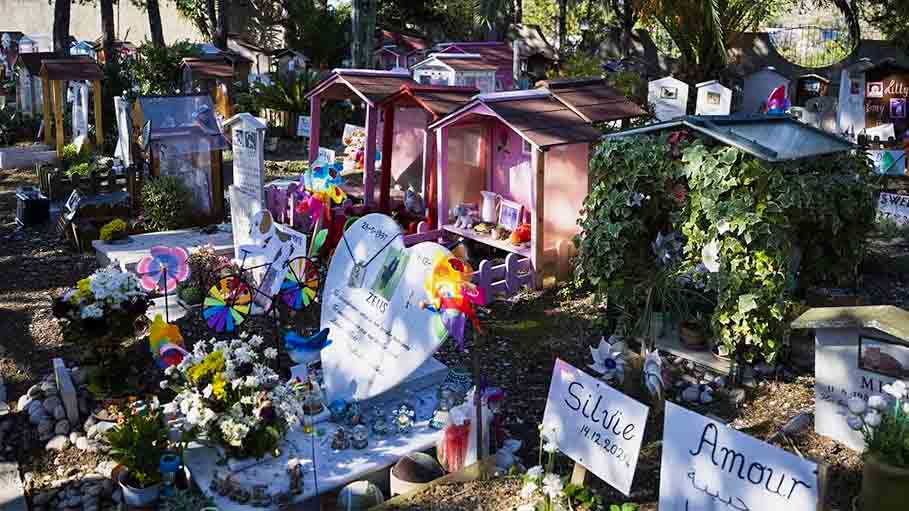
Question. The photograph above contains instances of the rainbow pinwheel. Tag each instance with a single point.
(166, 343)
(301, 283)
(453, 295)
(163, 268)
(324, 181)
(227, 304)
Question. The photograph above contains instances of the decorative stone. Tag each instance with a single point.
(51, 403)
(24, 401)
(117, 495)
(67, 390)
(78, 375)
(58, 443)
(48, 387)
(59, 412)
(706, 396)
(737, 396)
(81, 443)
(4, 408)
(45, 427)
(35, 407)
(38, 417)
(100, 429)
(62, 428)
(35, 392)
(106, 469)
(691, 394)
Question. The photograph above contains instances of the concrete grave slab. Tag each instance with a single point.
(139, 245)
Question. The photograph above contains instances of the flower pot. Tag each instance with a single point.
(884, 487)
(137, 497)
(692, 336)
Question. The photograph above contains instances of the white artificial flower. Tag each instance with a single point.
(528, 490)
(552, 486)
(256, 340)
(653, 373)
(535, 472)
(252, 382)
(877, 402)
(171, 408)
(207, 391)
(549, 446)
(856, 405)
(722, 227)
(244, 335)
(906, 408)
(271, 353)
(170, 370)
(897, 389)
(855, 422)
(608, 362)
(873, 418)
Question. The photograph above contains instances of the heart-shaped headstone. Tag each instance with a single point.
(372, 303)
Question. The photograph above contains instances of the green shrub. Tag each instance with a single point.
(166, 204)
(114, 230)
(190, 294)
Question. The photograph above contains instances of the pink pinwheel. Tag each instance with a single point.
(311, 206)
(163, 268)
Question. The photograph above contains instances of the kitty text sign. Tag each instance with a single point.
(707, 466)
(594, 424)
(374, 305)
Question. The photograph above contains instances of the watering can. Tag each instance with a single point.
(490, 203)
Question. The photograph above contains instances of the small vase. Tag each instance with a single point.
(138, 497)
(884, 487)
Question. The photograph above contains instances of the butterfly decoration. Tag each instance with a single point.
(166, 343)
(453, 295)
(227, 304)
(163, 268)
(301, 283)
(302, 349)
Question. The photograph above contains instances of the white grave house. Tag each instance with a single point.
(758, 86)
(669, 97)
(713, 99)
(380, 354)
(465, 69)
(858, 350)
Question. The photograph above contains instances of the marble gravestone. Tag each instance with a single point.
(124, 131)
(373, 301)
(858, 350)
(713, 99)
(758, 86)
(247, 193)
(669, 97)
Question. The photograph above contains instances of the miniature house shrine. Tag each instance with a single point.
(55, 73)
(462, 69)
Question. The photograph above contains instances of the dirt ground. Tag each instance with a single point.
(525, 336)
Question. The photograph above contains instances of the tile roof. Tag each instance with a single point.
(544, 121)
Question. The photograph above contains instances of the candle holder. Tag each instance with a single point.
(404, 418)
(360, 437)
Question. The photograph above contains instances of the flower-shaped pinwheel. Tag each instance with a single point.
(324, 181)
(453, 295)
(609, 362)
(653, 373)
(301, 283)
(163, 268)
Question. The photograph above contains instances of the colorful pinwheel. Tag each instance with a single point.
(163, 268)
(453, 295)
(227, 304)
(324, 182)
(166, 343)
(301, 283)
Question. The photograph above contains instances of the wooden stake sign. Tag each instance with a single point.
(598, 427)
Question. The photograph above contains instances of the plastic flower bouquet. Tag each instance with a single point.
(102, 310)
(228, 396)
(884, 422)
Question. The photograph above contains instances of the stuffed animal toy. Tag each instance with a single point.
(466, 215)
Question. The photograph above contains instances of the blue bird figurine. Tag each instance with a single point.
(302, 349)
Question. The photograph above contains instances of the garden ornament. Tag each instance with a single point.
(453, 296)
(466, 216)
(608, 362)
(163, 268)
(413, 203)
(653, 374)
(305, 349)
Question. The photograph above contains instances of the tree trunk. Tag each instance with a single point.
(519, 11)
(563, 18)
(223, 24)
(212, 20)
(107, 31)
(61, 26)
(154, 23)
(363, 21)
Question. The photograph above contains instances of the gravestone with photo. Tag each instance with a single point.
(713, 99)
(708, 466)
(247, 194)
(669, 97)
(597, 426)
(858, 350)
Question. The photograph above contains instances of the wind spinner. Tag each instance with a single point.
(227, 304)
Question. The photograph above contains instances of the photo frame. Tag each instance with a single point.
(874, 90)
(669, 92)
(510, 214)
(897, 108)
(883, 357)
(713, 98)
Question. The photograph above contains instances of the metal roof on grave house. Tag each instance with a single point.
(768, 137)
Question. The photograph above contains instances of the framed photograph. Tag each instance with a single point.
(510, 214)
(897, 108)
(874, 90)
(883, 357)
(713, 98)
(669, 92)
(855, 88)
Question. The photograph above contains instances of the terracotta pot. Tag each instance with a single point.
(692, 336)
(884, 487)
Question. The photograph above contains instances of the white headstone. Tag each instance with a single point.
(594, 424)
(713, 99)
(669, 97)
(380, 331)
(707, 466)
(850, 118)
(124, 131)
(758, 86)
(80, 109)
(247, 194)
(894, 206)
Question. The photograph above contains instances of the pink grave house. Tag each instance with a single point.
(408, 156)
(498, 54)
(529, 148)
(358, 85)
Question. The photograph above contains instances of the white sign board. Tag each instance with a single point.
(304, 124)
(851, 362)
(707, 466)
(326, 155)
(594, 424)
(372, 303)
(80, 109)
(713, 99)
(669, 97)
(893, 206)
